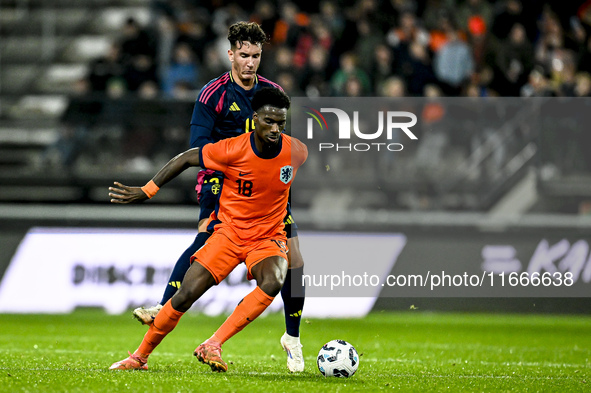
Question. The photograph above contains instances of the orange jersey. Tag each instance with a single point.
(255, 189)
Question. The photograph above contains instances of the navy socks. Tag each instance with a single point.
(182, 265)
(293, 294)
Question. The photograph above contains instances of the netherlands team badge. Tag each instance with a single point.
(286, 174)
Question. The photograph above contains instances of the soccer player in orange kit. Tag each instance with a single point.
(223, 110)
(247, 225)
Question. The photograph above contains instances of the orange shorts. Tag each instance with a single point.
(220, 254)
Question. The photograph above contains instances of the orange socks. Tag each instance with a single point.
(165, 321)
(245, 312)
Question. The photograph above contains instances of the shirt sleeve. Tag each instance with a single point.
(215, 155)
(299, 153)
(202, 123)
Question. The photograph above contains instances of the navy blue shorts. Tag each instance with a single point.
(209, 189)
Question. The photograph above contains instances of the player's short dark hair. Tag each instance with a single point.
(271, 96)
(246, 31)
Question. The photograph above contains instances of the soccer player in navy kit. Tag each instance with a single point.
(223, 110)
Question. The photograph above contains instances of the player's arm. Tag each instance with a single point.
(126, 194)
(200, 136)
(203, 122)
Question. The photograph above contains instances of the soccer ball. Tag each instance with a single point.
(337, 358)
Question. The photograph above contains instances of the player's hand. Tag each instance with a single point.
(126, 194)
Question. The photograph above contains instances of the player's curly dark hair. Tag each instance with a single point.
(246, 31)
(270, 96)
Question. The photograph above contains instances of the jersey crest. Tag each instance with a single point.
(286, 174)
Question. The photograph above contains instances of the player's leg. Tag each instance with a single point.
(269, 274)
(293, 294)
(146, 315)
(183, 263)
(208, 191)
(198, 281)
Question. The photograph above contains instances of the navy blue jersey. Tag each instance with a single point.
(223, 109)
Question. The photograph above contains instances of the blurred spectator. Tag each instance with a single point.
(347, 70)
(380, 13)
(195, 35)
(482, 80)
(472, 90)
(382, 66)
(470, 8)
(369, 39)
(290, 25)
(213, 65)
(445, 31)
(478, 40)
(510, 13)
(576, 36)
(432, 91)
(265, 14)
(394, 86)
(354, 87)
(453, 64)
(551, 40)
(332, 17)
(148, 90)
(317, 34)
(397, 7)
(224, 16)
(537, 85)
(135, 41)
(565, 79)
(407, 31)
(584, 57)
(140, 70)
(512, 61)
(105, 68)
(366, 9)
(182, 69)
(434, 10)
(415, 66)
(314, 77)
(583, 85)
(282, 62)
(288, 81)
(116, 88)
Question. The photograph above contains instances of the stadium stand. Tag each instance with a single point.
(78, 77)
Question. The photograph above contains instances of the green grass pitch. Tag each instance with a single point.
(411, 351)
